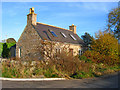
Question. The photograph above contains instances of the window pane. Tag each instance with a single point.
(20, 52)
(53, 33)
(71, 51)
(73, 37)
(63, 35)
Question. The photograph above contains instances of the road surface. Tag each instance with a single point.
(110, 81)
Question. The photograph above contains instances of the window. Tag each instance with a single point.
(73, 37)
(58, 51)
(63, 34)
(19, 51)
(53, 33)
(71, 51)
(80, 52)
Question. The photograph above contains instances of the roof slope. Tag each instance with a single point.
(45, 34)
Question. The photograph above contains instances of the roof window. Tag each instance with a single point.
(63, 34)
(53, 33)
(73, 37)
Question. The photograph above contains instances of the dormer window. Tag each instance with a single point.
(53, 33)
(73, 37)
(63, 34)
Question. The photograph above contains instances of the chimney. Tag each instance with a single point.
(31, 17)
(72, 28)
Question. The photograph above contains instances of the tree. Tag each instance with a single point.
(11, 40)
(5, 52)
(114, 22)
(87, 40)
(106, 44)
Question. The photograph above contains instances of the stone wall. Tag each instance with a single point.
(28, 42)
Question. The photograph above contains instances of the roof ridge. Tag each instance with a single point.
(53, 26)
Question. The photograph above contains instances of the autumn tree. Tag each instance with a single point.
(114, 22)
(106, 44)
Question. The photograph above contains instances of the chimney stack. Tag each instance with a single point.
(72, 28)
(31, 17)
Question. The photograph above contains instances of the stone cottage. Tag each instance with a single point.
(34, 32)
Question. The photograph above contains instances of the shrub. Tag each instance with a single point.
(84, 58)
(11, 40)
(96, 57)
(6, 49)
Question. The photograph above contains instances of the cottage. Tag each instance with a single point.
(34, 32)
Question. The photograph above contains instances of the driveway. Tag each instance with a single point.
(109, 81)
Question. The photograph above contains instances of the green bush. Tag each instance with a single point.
(1, 48)
(50, 73)
(82, 74)
(6, 49)
(84, 58)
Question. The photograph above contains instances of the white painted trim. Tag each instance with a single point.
(19, 52)
(31, 79)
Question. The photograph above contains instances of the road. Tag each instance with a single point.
(110, 81)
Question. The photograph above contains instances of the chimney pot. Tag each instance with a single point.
(31, 17)
(73, 28)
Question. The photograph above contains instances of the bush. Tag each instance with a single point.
(82, 74)
(96, 57)
(6, 49)
(84, 58)
(11, 40)
(1, 49)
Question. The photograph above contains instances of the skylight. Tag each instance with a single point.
(73, 37)
(63, 34)
(53, 33)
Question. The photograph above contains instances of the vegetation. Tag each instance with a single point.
(1, 48)
(105, 47)
(5, 49)
(90, 64)
(114, 22)
(11, 40)
(101, 58)
(87, 40)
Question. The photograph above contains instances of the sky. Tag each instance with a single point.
(87, 16)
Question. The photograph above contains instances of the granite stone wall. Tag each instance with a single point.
(28, 42)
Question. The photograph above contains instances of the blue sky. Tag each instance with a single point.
(87, 16)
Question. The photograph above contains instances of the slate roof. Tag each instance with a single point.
(45, 34)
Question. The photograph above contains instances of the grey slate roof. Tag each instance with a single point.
(43, 31)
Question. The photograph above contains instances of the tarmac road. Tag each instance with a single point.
(109, 81)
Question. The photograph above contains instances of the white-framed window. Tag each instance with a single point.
(53, 33)
(80, 52)
(63, 34)
(19, 52)
(73, 37)
(58, 50)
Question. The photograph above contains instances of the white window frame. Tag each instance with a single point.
(73, 37)
(19, 52)
(80, 52)
(63, 34)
